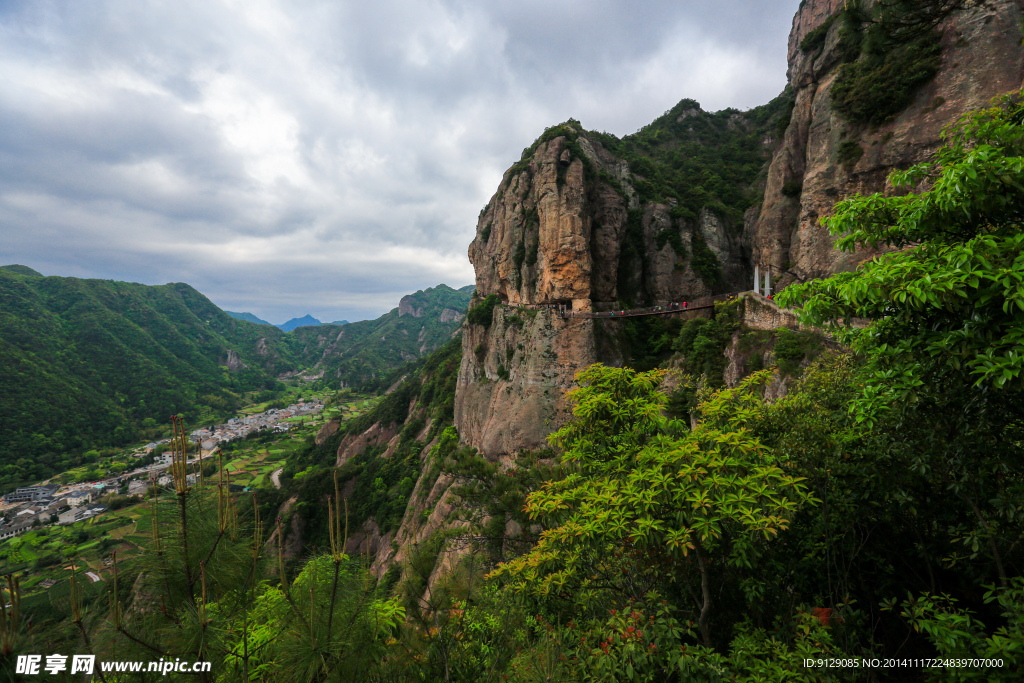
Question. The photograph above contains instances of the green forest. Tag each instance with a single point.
(97, 365)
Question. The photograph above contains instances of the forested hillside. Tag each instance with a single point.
(88, 363)
(825, 486)
(93, 364)
(361, 354)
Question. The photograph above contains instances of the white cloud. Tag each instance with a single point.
(319, 156)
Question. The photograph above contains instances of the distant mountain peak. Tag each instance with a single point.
(305, 321)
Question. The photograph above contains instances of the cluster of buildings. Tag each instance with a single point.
(45, 504)
(238, 427)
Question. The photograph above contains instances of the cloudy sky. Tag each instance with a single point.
(324, 157)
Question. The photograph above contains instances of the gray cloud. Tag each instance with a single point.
(324, 157)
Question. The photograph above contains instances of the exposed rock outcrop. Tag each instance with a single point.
(234, 362)
(982, 57)
(329, 429)
(553, 234)
(568, 228)
(409, 305)
(559, 228)
(449, 315)
(353, 445)
(514, 375)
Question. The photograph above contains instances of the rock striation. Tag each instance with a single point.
(982, 57)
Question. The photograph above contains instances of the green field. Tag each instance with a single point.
(45, 553)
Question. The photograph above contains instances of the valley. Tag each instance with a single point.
(91, 366)
(616, 456)
(45, 553)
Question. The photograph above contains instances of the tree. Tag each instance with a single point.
(943, 349)
(646, 488)
(948, 305)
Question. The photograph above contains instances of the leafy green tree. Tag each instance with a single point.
(947, 305)
(644, 484)
(943, 347)
(957, 633)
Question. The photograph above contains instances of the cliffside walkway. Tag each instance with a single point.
(668, 309)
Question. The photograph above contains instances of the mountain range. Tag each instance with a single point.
(306, 320)
(93, 364)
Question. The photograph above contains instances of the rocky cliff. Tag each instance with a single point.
(825, 156)
(590, 222)
(684, 208)
(577, 225)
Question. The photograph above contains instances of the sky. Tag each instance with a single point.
(325, 157)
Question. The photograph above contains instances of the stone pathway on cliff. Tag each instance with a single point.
(673, 307)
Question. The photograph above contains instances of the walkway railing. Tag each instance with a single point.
(666, 309)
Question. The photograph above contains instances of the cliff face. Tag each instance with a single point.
(583, 221)
(588, 222)
(981, 57)
(566, 227)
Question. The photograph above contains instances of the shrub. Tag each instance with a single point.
(671, 236)
(815, 40)
(704, 262)
(411, 429)
(702, 343)
(877, 87)
(531, 256)
(792, 347)
(520, 255)
(849, 154)
(483, 312)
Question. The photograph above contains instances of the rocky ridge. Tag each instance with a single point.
(576, 225)
(558, 229)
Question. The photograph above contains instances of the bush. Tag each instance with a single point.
(704, 263)
(815, 40)
(670, 235)
(792, 347)
(47, 560)
(849, 154)
(792, 188)
(483, 312)
(877, 87)
(519, 257)
(531, 256)
(702, 343)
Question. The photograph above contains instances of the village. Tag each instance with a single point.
(48, 503)
(237, 428)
